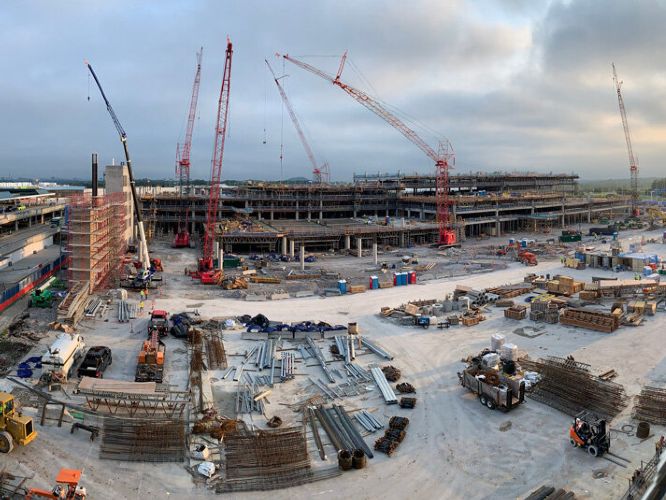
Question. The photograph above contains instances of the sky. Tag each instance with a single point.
(514, 85)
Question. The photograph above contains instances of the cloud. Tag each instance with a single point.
(513, 84)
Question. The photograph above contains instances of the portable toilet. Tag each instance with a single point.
(395, 279)
(512, 241)
(374, 282)
(405, 278)
(342, 286)
(412, 277)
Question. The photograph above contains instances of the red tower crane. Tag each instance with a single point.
(319, 174)
(206, 261)
(443, 157)
(183, 155)
(633, 164)
(182, 238)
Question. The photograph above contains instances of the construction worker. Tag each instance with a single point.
(659, 445)
(141, 308)
(142, 294)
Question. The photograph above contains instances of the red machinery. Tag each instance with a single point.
(206, 260)
(319, 174)
(633, 164)
(182, 239)
(443, 157)
(67, 487)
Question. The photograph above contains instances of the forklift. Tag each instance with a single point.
(590, 432)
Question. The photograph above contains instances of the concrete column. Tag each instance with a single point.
(272, 215)
(498, 228)
(292, 245)
(354, 213)
(309, 215)
(302, 251)
(402, 239)
(220, 259)
(284, 245)
(374, 252)
(216, 250)
(409, 213)
(297, 207)
(347, 242)
(321, 216)
(258, 215)
(359, 247)
(42, 219)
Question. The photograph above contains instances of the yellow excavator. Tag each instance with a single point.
(14, 427)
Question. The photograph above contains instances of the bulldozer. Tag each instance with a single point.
(14, 427)
(591, 433)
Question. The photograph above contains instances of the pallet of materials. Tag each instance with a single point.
(264, 280)
(470, 320)
(356, 289)
(592, 320)
(516, 312)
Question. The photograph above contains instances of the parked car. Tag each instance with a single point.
(98, 359)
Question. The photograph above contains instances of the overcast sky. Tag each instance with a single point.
(514, 84)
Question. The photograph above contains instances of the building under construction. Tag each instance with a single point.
(397, 210)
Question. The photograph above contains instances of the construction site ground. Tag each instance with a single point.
(454, 446)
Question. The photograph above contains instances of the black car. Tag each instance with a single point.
(97, 359)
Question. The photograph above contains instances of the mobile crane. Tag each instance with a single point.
(145, 273)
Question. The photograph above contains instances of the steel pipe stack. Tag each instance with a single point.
(376, 349)
(287, 366)
(320, 357)
(384, 387)
(368, 421)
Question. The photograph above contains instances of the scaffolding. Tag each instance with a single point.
(95, 240)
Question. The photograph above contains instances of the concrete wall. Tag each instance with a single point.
(32, 245)
(116, 180)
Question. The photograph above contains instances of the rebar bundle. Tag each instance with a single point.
(266, 460)
(570, 387)
(217, 357)
(651, 405)
(143, 441)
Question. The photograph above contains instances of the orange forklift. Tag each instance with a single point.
(590, 432)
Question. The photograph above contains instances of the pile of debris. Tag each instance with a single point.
(391, 373)
(550, 493)
(393, 436)
(569, 386)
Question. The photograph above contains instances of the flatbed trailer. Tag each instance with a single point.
(505, 396)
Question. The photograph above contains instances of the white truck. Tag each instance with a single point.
(62, 357)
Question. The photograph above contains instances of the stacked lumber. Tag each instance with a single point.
(569, 386)
(265, 280)
(592, 320)
(510, 291)
(356, 289)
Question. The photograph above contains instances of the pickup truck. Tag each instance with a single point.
(97, 360)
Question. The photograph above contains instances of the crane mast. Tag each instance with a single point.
(183, 155)
(143, 245)
(633, 164)
(206, 261)
(320, 174)
(443, 157)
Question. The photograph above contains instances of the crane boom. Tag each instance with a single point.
(183, 162)
(443, 157)
(292, 114)
(206, 263)
(144, 257)
(633, 164)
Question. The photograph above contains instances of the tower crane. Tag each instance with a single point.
(443, 157)
(183, 154)
(206, 260)
(633, 164)
(319, 174)
(144, 258)
(182, 238)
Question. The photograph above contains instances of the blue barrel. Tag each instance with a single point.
(375, 282)
(342, 286)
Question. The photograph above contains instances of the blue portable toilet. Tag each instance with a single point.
(374, 280)
(342, 286)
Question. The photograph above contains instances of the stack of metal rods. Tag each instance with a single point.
(384, 387)
(376, 349)
(340, 429)
(126, 311)
(320, 357)
(143, 441)
(368, 421)
(287, 366)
